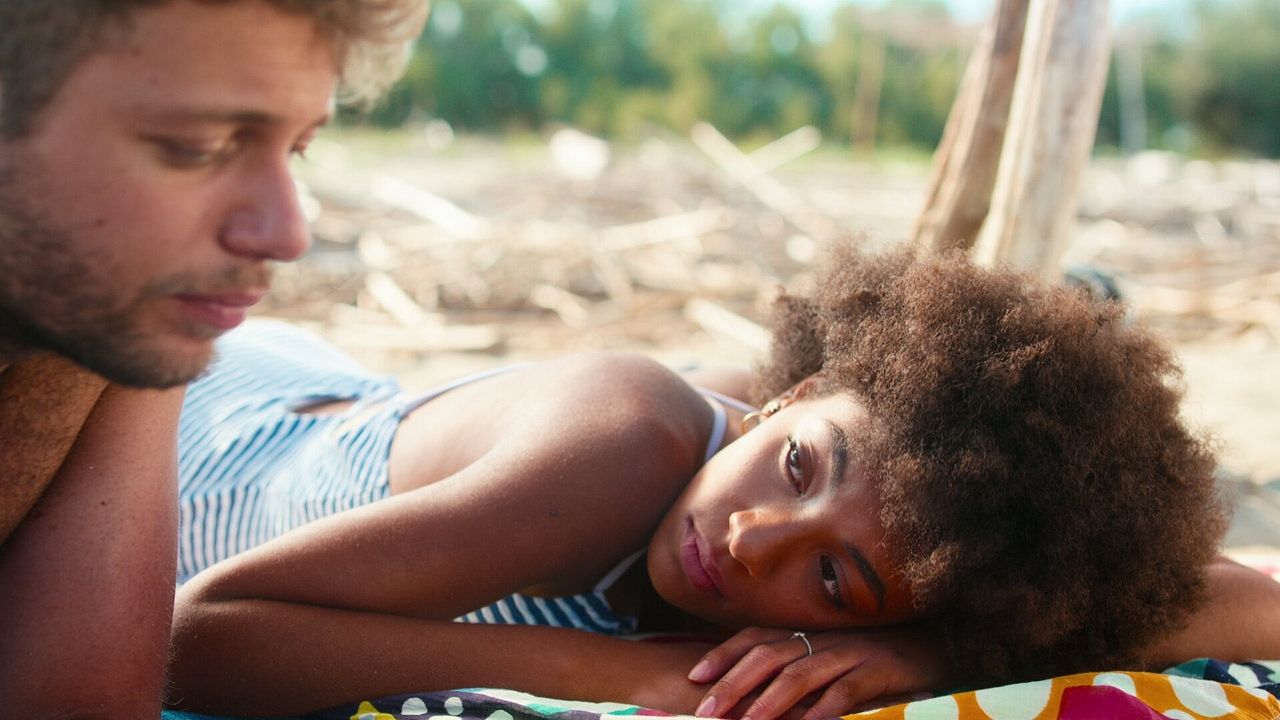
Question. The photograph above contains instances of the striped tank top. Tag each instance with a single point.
(251, 466)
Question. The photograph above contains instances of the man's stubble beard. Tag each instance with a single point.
(52, 300)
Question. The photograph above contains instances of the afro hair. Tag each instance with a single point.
(1047, 507)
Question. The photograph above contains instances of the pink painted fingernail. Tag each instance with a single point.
(701, 672)
(707, 708)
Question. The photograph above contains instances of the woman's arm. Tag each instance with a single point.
(1240, 620)
(360, 604)
(266, 657)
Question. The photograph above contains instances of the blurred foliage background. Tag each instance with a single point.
(1207, 84)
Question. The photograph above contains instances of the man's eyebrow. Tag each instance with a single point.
(868, 574)
(230, 117)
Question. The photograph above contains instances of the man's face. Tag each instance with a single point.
(140, 216)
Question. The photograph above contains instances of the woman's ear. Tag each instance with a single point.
(800, 390)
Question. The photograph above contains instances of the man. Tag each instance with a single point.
(144, 194)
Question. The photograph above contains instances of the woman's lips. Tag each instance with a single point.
(698, 563)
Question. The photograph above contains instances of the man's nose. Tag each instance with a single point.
(268, 222)
(760, 537)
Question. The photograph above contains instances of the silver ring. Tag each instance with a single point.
(801, 637)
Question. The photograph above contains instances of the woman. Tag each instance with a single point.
(961, 476)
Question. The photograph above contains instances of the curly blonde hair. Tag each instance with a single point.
(41, 42)
(1047, 507)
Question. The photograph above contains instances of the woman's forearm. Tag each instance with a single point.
(259, 657)
(1240, 621)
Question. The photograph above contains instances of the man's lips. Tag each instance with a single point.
(222, 310)
(699, 563)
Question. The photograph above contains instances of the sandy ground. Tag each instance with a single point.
(1234, 393)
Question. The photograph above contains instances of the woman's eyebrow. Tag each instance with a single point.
(839, 465)
(839, 454)
(868, 574)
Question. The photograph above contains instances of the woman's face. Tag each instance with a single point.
(782, 529)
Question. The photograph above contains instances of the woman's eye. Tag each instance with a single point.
(831, 581)
(795, 467)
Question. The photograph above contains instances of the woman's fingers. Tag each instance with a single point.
(728, 653)
(845, 694)
(844, 671)
(757, 665)
(796, 681)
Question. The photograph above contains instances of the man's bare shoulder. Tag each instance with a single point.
(44, 401)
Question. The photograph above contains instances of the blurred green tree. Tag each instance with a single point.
(888, 75)
(478, 65)
(1233, 76)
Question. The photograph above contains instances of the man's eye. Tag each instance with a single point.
(830, 581)
(183, 154)
(795, 467)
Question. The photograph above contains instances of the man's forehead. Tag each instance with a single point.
(233, 33)
(229, 62)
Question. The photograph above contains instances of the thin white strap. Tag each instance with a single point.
(717, 401)
(717, 430)
(413, 403)
(607, 581)
(732, 402)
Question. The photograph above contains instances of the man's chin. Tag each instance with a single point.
(153, 364)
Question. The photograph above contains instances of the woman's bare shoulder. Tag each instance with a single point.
(736, 382)
(630, 396)
(623, 405)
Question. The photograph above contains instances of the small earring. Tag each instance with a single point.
(755, 417)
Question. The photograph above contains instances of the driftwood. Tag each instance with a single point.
(669, 247)
(793, 145)
(430, 207)
(965, 164)
(1008, 171)
(1052, 122)
(725, 323)
(746, 171)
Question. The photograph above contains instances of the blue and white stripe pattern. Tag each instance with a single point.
(251, 467)
(587, 611)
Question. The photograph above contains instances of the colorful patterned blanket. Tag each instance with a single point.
(1197, 690)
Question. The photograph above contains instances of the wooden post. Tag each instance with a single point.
(1052, 123)
(866, 98)
(965, 164)
(1133, 103)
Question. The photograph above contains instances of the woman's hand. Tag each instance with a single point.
(847, 669)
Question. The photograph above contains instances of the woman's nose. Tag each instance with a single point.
(759, 537)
